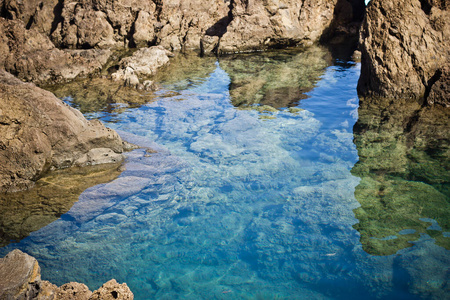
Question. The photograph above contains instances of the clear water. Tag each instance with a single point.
(236, 204)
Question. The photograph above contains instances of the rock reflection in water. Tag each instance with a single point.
(404, 169)
(277, 79)
(24, 212)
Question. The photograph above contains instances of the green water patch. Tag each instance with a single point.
(404, 164)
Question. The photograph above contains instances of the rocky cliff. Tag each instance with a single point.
(405, 49)
(21, 279)
(38, 132)
(239, 25)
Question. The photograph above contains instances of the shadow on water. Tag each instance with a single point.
(404, 167)
(24, 212)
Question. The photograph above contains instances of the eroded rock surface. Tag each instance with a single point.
(31, 56)
(38, 132)
(143, 63)
(232, 25)
(19, 275)
(405, 49)
(262, 24)
(21, 279)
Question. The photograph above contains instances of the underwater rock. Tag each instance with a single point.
(405, 49)
(21, 279)
(98, 94)
(31, 56)
(53, 195)
(38, 132)
(403, 151)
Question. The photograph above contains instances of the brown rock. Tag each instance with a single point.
(20, 273)
(73, 291)
(405, 49)
(36, 14)
(260, 25)
(31, 56)
(21, 279)
(39, 132)
(144, 62)
(112, 290)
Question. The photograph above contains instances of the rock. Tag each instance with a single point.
(257, 25)
(38, 132)
(20, 274)
(440, 90)
(112, 290)
(189, 25)
(31, 56)
(21, 279)
(405, 49)
(73, 291)
(174, 24)
(144, 62)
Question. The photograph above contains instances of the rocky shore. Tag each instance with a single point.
(405, 53)
(21, 279)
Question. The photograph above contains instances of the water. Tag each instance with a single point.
(253, 200)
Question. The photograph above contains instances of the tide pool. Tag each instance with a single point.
(234, 199)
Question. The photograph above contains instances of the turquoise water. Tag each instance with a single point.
(235, 204)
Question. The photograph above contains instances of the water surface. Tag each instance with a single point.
(249, 198)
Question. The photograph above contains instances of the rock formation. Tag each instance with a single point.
(143, 63)
(31, 56)
(405, 49)
(38, 132)
(21, 279)
(239, 25)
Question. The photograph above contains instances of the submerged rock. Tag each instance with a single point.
(405, 49)
(38, 132)
(53, 195)
(21, 279)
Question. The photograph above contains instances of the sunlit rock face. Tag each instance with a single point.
(212, 26)
(404, 169)
(274, 79)
(405, 49)
(38, 132)
(31, 56)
